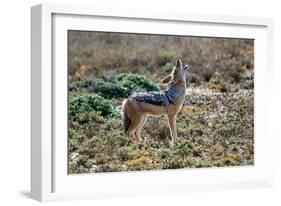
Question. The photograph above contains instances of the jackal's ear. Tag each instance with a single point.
(166, 79)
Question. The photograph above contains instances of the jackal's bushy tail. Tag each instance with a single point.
(126, 119)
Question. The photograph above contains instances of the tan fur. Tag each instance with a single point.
(138, 112)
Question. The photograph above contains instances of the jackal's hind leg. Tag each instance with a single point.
(138, 130)
(135, 123)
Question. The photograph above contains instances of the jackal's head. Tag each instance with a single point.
(178, 74)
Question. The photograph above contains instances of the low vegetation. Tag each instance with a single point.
(215, 125)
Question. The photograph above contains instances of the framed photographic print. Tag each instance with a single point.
(137, 102)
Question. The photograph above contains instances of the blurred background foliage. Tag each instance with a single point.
(109, 54)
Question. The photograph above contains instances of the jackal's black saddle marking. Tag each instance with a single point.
(162, 98)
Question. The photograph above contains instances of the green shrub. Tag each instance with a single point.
(75, 140)
(106, 89)
(183, 148)
(163, 153)
(91, 147)
(88, 85)
(202, 163)
(111, 90)
(174, 162)
(109, 167)
(82, 160)
(136, 83)
(125, 85)
(88, 117)
(125, 153)
(89, 103)
(124, 140)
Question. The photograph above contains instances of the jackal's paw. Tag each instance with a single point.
(138, 139)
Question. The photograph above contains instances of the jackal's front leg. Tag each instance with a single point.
(173, 128)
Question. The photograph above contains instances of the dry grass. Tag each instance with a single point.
(215, 125)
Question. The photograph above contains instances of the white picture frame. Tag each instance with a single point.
(49, 179)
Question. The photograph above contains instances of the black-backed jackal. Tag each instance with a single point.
(138, 106)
